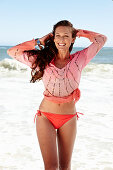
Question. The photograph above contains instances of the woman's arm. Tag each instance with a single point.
(98, 42)
(17, 52)
(92, 36)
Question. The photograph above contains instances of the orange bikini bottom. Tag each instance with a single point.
(57, 120)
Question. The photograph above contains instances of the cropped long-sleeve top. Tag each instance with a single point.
(61, 84)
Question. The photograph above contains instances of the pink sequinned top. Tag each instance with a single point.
(61, 84)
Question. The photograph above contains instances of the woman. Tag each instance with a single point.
(60, 72)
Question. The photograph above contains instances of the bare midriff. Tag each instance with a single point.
(58, 108)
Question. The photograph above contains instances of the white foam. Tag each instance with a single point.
(10, 67)
(100, 70)
(7, 65)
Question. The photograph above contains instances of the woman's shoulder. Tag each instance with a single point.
(76, 54)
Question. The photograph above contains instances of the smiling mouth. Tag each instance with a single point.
(61, 44)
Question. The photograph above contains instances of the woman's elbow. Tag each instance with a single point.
(10, 52)
(105, 38)
(14, 52)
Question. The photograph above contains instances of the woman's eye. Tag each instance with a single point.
(65, 36)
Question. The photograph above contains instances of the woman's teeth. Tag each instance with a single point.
(61, 44)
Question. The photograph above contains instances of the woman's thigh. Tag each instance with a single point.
(47, 140)
(66, 137)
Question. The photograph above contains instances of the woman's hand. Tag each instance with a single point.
(44, 38)
(79, 32)
(87, 34)
(92, 36)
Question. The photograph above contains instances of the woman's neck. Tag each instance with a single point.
(63, 55)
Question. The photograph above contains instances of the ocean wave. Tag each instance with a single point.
(99, 70)
(11, 65)
(2, 47)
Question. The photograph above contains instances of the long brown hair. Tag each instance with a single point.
(46, 54)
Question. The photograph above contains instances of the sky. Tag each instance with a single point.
(23, 20)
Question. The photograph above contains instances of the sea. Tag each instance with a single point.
(20, 99)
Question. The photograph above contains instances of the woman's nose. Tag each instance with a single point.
(61, 38)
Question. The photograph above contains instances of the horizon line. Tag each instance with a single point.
(73, 47)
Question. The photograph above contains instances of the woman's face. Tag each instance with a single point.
(63, 38)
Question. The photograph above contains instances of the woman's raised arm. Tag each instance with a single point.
(98, 40)
(17, 52)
